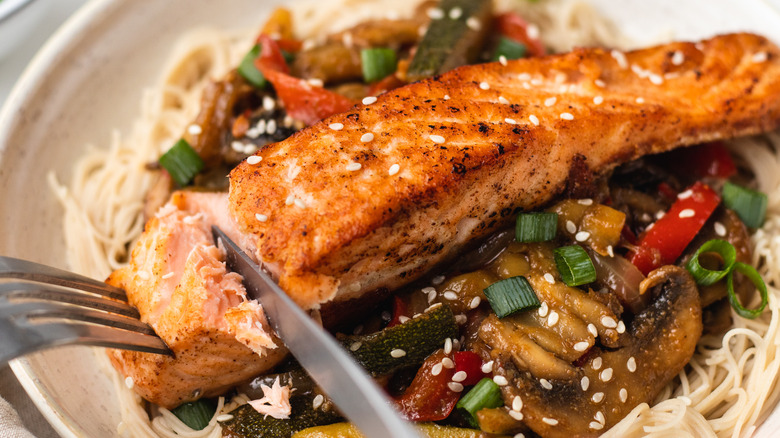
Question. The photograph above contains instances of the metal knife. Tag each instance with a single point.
(345, 382)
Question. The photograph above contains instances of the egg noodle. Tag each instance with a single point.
(727, 389)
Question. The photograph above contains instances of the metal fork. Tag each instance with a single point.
(43, 307)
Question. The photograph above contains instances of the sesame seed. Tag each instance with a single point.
(599, 83)
(503, 100)
(606, 375)
(194, 129)
(660, 214)
(396, 353)
(456, 13)
(299, 203)
(623, 395)
(550, 101)
(532, 31)
(237, 146)
(678, 58)
(517, 403)
(317, 402)
(597, 362)
(519, 435)
(224, 417)
(685, 195)
(510, 121)
(610, 251)
(500, 380)
(355, 346)
(427, 290)
(549, 278)
(543, 309)
(581, 346)
(598, 100)
(447, 346)
(394, 169)
(597, 397)
(455, 386)
(595, 426)
(250, 149)
(516, 415)
(369, 100)
(487, 367)
(439, 279)
(261, 217)
(620, 57)
(484, 85)
(656, 79)
(473, 23)
(600, 417)
(254, 159)
(460, 319)
(631, 364)
(592, 330)
(621, 327)
(524, 77)
(436, 369)
(314, 82)
(448, 363)
(502, 60)
(552, 319)
(475, 302)
(640, 100)
(585, 201)
(452, 296)
(336, 126)
(534, 119)
(585, 383)
(571, 227)
(168, 275)
(459, 376)
(760, 57)
(582, 236)
(608, 322)
(129, 382)
(268, 103)
(431, 296)
(720, 229)
(290, 200)
(436, 138)
(550, 421)
(352, 166)
(688, 212)
(402, 319)
(365, 138)
(545, 383)
(446, 97)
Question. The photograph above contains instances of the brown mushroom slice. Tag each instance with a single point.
(567, 338)
(660, 341)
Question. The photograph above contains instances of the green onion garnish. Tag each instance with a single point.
(575, 265)
(704, 276)
(753, 275)
(749, 205)
(248, 70)
(182, 162)
(511, 295)
(377, 63)
(536, 227)
(196, 414)
(484, 395)
(509, 49)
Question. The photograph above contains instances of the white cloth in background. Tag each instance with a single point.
(10, 423)
(19, 418)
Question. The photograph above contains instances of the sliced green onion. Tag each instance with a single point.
(750, 205)
(509, 49)
(575, 265)
(248, 70)
(484, 395)
(536, 227)
(704, 276)
(182, 162)
(753, 275)
(196, 414)
(377, 63)
(511, 295)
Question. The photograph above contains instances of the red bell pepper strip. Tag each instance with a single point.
(514, 27)
(663, 243)
(399, 309)
(710, 159)
(301, 100)
(429, 398)
(470, 363)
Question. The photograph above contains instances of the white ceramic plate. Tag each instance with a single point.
(87, 82)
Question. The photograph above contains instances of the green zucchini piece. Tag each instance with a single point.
(403, 345)
(196, 414)
(247, 422)
(451, 42)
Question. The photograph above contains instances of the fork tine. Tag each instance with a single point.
(17, 290)
(16, 268)
(35, 311)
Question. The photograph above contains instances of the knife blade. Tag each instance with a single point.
(343, 380)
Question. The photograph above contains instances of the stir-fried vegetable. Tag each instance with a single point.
(514, 27)
(196, 414)
(753, 275)
(485, 395)
(430, 397)
(182, 163)
(511, 295)
(509, 49)
(704, 276)
(248, 70)
(575, 265)
(536, 227)
(750, 205)
(377, 63)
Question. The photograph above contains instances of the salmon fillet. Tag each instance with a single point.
(375, 197)
(178, 281)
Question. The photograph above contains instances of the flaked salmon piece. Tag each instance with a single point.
(178, 280)
(375, 197)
